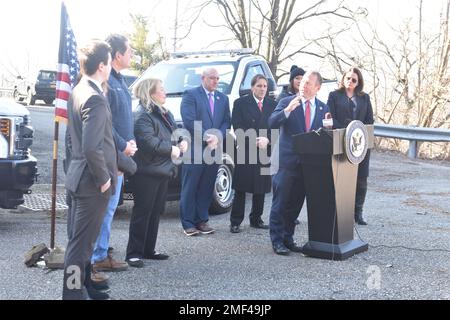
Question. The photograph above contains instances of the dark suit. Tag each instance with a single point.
(198, 180)
(288, 185)
(247, 177)
(345, 111)
(93, 162)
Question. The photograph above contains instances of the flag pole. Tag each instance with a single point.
(54, 180)
(68, 68)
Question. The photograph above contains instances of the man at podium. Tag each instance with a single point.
(293, 115)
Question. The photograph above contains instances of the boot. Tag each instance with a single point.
(361, 190)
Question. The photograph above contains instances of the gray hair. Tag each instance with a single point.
(144, 91)
(317, 74)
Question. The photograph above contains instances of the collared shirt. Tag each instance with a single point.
(98, 84)
(312, 104)
(208, 92)
(257, 100)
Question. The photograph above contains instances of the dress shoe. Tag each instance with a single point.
(95, 294)
(109, 264)
(281, 249)
(157, 256)
(259, 225)
(293, 247)
(205, 229)
(100, 286)
(135, 262)
(235, 229)
(191, 232)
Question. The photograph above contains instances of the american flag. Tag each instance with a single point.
(68, 66)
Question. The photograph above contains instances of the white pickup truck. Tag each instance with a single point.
(18, 168)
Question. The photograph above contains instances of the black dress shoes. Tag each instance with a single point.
(235, 229)
(294, 247)
(259, 225)
(95, 294)
(157, 256)
(281, 249)
(135, 262)
(101, 286)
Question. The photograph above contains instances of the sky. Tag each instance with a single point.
(29, 29)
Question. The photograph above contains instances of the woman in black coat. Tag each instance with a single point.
(251, 112)
(153, 129)
(349, 103)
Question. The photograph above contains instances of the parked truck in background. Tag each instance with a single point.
(18, 168)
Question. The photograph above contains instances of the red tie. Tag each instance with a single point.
(307, 116)
(260, 105)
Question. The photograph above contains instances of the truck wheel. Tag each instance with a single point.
(223, 192)
(48, 101)
(30, 98)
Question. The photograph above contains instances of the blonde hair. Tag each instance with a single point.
(144, 91)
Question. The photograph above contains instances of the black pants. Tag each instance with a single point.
(150, 195)
(238, 211)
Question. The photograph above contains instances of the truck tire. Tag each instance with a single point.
(223, 192)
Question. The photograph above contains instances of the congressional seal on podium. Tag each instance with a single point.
(356, 141)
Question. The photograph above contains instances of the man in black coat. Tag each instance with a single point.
(250, 122)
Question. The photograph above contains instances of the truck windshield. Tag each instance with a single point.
(177, 78)
(47, 75)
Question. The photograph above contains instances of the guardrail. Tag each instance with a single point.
(413, 134)
(6, 92)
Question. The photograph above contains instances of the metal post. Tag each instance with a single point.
(412, 151)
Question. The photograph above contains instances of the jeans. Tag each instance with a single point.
(102, 243)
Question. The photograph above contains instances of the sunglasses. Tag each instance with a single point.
(352, 79)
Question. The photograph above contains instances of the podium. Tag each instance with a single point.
(329, 161)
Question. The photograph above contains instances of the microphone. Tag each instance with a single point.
(328, 121)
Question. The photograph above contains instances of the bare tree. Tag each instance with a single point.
(276, 23)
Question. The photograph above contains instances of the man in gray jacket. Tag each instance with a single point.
(92, 173)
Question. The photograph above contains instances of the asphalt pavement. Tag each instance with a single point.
(407, 208)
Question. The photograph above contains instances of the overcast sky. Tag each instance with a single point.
(30, 29)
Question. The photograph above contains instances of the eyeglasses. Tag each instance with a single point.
(352, 79)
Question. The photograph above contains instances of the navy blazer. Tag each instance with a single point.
(293, 125)
(195, 107)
